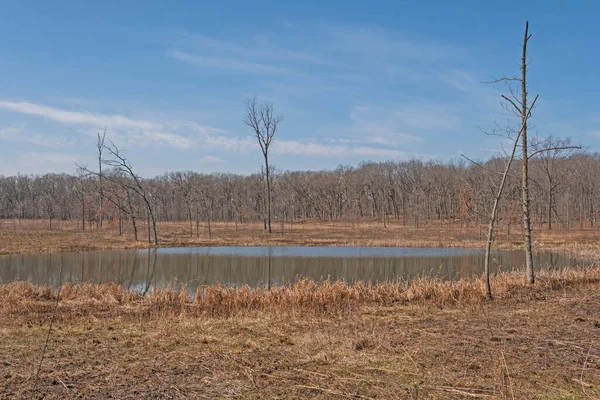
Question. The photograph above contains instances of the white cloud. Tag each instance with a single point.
(76, 117)
(426, 117)
(50, 158)
(50, 142)
(283, 147)
(381, 44)
(211, 160)
(258, 48)
(43, 162)
(11, 133)
(182, 135)
(229, 143)
(20, 134)
(229, 63)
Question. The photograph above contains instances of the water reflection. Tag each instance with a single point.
(140, 270)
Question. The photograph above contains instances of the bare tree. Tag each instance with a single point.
(118, 161)
(494, 213)
(517, 103)
(554, 167)
(525, 114)
(100, 147)
(81, 191)
(264, 123)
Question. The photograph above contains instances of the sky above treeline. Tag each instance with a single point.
(353, 80)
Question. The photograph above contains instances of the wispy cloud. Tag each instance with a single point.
(182, 135)
(50, 142)
(229, 64)
(258, 47)
(211, 160)
(76, 117)
(20, 134)
(11, 133)
(314, 149)
(64, 159)
(384, 44)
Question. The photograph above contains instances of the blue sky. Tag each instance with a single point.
(353, 80)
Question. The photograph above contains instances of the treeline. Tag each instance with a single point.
(564, 192)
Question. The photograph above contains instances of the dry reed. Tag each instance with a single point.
(304, 296)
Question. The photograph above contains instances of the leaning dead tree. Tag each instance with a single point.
(118, 162)
(123, 176)
(493, 213)
(264, 123)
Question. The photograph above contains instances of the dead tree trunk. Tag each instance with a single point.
(493, 215)
(525, 161)
(524, 112)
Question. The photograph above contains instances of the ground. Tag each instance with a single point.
(543, 346)
(29, 236)
(540, 341)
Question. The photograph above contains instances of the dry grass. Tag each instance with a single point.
(426, 339)
(303, 297)
(33, 236)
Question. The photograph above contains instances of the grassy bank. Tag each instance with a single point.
(36, 237)
(424, 339)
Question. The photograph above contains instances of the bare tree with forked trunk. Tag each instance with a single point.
(264, 124)
(518, 104)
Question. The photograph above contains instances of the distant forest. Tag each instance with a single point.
(564, 193)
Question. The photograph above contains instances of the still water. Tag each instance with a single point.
(269, 266)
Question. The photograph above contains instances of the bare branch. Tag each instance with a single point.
(554, 148)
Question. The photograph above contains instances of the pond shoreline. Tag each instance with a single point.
(33, 237)
(428, 337)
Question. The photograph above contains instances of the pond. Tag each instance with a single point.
(254, 266)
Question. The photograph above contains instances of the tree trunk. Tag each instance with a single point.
(83, 214)
(525, 163)
(191, 219)
(154, 229)
(267, 169)
(550, 208)
(148, 226)
(209, 232)
(494, 213)
(197, 221)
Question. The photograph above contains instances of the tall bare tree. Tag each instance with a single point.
(264, 123)
(517, 103)
(525, 114)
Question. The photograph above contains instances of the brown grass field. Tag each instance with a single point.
(424, 339)
(34, 236)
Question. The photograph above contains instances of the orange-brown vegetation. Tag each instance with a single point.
(34, 236)
(424, 339)
(421, 339)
